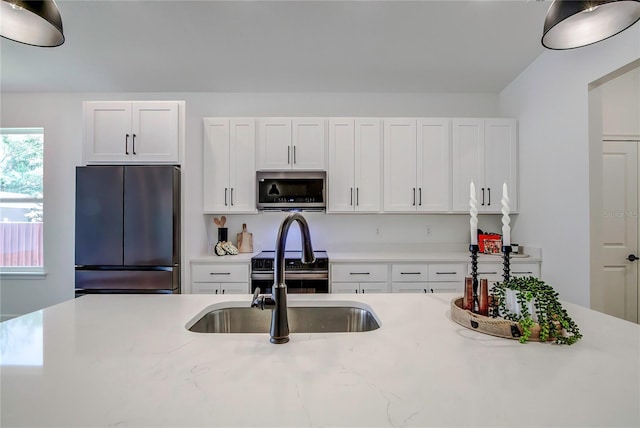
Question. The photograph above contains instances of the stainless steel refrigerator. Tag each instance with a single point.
(127, 229)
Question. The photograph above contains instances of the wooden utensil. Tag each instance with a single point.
(245, 240)
(217, 222)
(223, 220)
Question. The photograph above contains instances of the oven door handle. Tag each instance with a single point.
(323, 274)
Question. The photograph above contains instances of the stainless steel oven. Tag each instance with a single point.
(299, 277)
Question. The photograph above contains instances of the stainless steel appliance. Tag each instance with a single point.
(291, 190)
(127, 229)
(300, 277)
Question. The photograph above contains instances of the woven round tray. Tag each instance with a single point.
(494, 326)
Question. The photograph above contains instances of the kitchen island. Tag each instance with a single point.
(128, 360)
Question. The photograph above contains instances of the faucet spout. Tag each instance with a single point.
(279, 320)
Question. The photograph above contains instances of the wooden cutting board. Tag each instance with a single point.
(245, 240)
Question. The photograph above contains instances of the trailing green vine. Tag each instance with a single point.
(548, 310)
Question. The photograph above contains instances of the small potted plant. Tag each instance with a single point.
(529, 301)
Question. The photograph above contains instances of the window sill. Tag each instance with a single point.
(18, 274)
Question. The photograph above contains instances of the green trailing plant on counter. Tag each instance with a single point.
(548, 309)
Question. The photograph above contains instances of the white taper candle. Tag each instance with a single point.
(473, 204)
(506, 230)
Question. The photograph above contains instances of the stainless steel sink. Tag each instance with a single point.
(302, 319)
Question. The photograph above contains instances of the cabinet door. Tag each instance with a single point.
(242, 166)
(368, 165)
(341, 166)
(434, 165)
(274, 144)
(205, 288)
(345, 287)
(215, 166)
(467, 166)
(107, 132)
(309, 144)
(500, 162)
(234, 288)
(155, 132)
(400, 165)
(374, 287)
(410, 287)
(445, 287)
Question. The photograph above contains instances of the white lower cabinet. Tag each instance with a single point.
(360, 278)
(220, 278)
(427, 278)
(493, 271)
(409, 278)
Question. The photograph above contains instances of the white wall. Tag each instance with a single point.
(61, 117)
(551, 101)
(621, 105)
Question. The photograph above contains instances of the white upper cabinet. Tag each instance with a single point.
(229, 168)
(417, 165)
(485, 152)
(355, 165)
(292, 144)
(133, 132)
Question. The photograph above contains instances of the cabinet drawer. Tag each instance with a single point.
(490, 271)
(220, 273)
(446, 272)
(359, 273)
(525, 269)
(408, 272)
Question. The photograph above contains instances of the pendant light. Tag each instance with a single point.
(573, 24)
(36, 23)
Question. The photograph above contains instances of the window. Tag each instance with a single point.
(21, 203)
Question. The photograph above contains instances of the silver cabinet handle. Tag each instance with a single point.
(420, 196)
(414, 196)
(288, 155)
(489, 191)
(231, 199)
(358, 273)
(219, 273)
(126, 144)
(409, 273)
(446, 273)
(225, 196)
(357, 196)
(522, 273)
(294, 154)
(351, 203)
(133, 143)
(482, 197)
(488, 273)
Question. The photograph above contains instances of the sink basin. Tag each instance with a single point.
(337, 318)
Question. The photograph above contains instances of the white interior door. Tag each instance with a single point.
(620, 228)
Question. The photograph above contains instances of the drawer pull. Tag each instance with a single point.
(446, 273)
(488, 273)
(358, 273)
(409, 273)
(521, 273)
(219, 273)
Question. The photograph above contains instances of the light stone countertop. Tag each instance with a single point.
(129, 361)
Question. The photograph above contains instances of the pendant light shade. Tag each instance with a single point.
(573, 24)
(36, 23)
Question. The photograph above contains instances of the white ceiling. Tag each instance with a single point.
(281, 46)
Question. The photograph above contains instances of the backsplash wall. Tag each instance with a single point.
(337, 231)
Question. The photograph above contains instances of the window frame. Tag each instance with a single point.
(25, 272)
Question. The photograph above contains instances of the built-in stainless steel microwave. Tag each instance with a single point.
(291, 190)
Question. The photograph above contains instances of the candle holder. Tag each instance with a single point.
(505, 263)
(475, 305)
